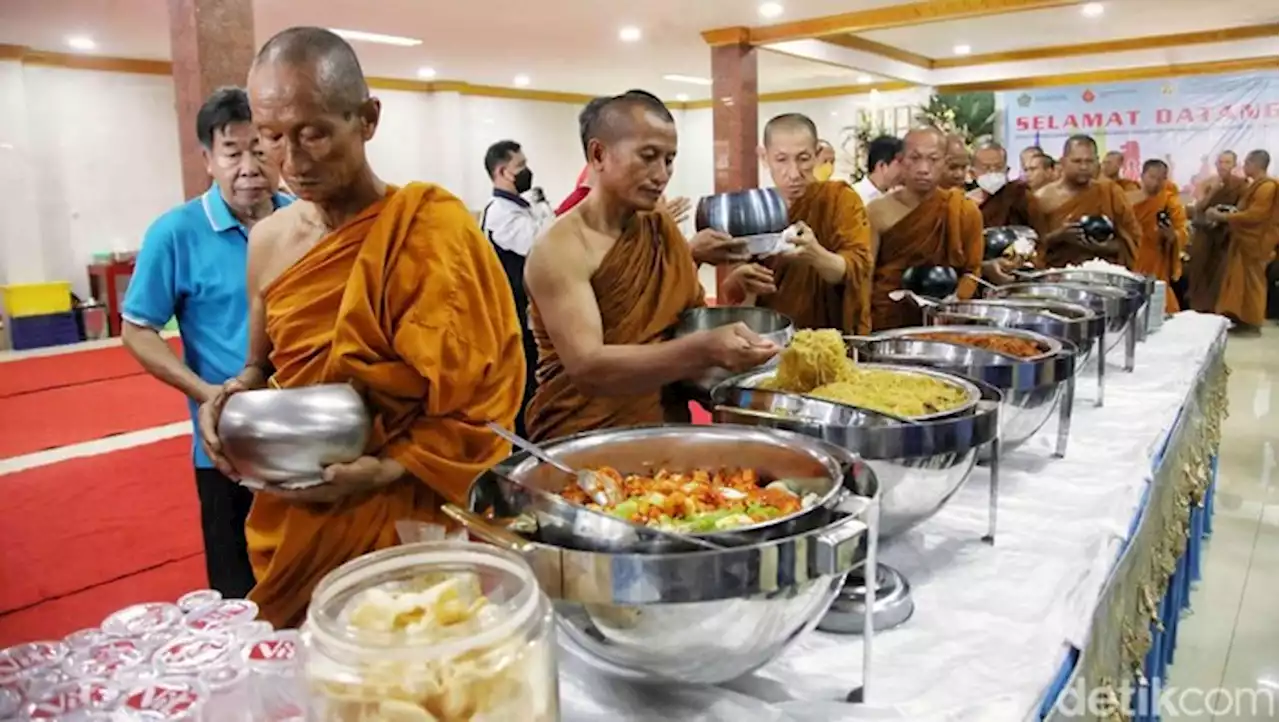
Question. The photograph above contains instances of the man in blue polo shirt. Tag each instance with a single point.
(192, 266)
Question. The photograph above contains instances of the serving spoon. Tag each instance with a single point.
(602, 489)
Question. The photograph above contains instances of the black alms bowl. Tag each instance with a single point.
(931, 281)
(996, 240)
(1098, 229)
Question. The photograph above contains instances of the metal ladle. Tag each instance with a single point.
(602, 490)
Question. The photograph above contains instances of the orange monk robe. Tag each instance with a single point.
(1012, 205)
(1156, 257)
(1127, 185)
(944, 230)
(1243, 296)
(645, 281)
(1209, 245)
(1100, 197)
(839, 221)
(409, 304)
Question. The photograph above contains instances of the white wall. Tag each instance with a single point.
(88, 159)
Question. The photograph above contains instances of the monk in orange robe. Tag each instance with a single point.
(1076, 195)
(955, 169)
(392, 290)
(608, 281)
(1003, 202)
(1163, 221)
(1112, 166)
(824, 281)
(1254, 229)
(921, 224)
(1209, 240)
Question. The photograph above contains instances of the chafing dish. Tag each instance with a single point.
(699, 617)
(1118, 306)
(288, 436)
(769, 324)
(1031, 388)
(1145, 286)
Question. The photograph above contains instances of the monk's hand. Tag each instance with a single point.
(750, 279)
(362, 476)
(807, 250)
(999, 271)
(211, 411)
(1215, 214)
(677, 208)
(737, 348)
(1071, 233)
(716, 248)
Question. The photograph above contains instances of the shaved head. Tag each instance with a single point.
(1256, 163)
(1226, 164)
(630, 143)
(990, 157)
(957, 163)
(1080, 140)
(1112, 163)
(608, 119)
(790, 123)
(924, 152)
(1079, 161)
(790, 151)
(330, 58)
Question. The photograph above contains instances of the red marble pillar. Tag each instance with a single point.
(734, 119)
(212, 45)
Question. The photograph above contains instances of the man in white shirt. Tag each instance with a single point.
(884, 168)
(511, 223)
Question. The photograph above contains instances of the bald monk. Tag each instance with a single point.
(610, 278)
(1003, 202)
(826, 161)
(824, 282)
(1209, 240)
(921, 224)
(1026, 156)
(1076, 195)
(1163, 240)
(1254, 227)
(1111, 167)
(392, 290)
(956, 166)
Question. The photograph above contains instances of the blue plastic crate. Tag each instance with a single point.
(55, 329)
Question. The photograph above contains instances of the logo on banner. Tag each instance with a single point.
(1088, 96)
(1024, 100)
(1168, 89)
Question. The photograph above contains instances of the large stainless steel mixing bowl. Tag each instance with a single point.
(1031, 388)
(752, 212)
(290, 435)
(697, 617)
(769, 324)
(919, 465)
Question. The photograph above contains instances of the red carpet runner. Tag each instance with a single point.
(69, 369)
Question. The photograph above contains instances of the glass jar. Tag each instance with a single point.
(495, 665)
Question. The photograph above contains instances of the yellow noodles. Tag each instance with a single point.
(817, 364)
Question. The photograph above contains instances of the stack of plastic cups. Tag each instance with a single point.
(277, 692)
(226, 614)
(192, 601)
(168, 699)
(230, 694)
(74, 699)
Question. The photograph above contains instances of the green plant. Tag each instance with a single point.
(971, 115)
(863, 133)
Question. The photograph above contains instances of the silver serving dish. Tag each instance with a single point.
(919, 465)
(768, 323)
(1031, 388)
(1118, 306)
(1079, 326)
(1145, 286)
(743, 213)
(803, 462)
(290, 435)
(698, 617)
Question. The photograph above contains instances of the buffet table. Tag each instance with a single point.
(1082, 558)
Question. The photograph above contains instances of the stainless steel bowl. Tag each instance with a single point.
(743, 213)
(753, 379)
(768, 323)
(1118, 306)
(919, 466)
(288, 435)
(699, 617)
(638, 449)
(1031, 388)
(1144, 286)
(1078, 325)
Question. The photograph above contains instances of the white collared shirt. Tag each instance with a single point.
(512, 223)
(867, 190)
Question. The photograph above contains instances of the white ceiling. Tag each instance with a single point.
(573, 45)
(1068, 26)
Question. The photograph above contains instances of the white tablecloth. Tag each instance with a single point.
(992, 623)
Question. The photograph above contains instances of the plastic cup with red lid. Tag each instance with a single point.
(224, 614)
(64, 700)
(190, 654)
(143, 620)
(172, 699)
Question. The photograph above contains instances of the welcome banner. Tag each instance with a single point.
(1186, 122)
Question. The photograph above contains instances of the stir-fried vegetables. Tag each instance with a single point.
(697, 501)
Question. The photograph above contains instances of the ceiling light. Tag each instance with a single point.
(864, 80)
(81, 42)
(629, 34)
(770, 10)
(963, 50)
(521, 81)
(692, 80)
(426, 73)
(361, 36)
(682, 97)
(1092, 10)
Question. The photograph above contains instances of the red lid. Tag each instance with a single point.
(276, 650)
(16, 661)
(190, 653)
(105, 659)
(223, 614)
(142, 619)
(192, 601)
(71, 696)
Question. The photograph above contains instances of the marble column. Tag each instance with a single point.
(734, 118)
(212, 45)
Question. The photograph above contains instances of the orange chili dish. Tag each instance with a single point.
(693, 501)
(1008, 345)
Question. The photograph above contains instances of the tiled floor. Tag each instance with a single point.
(1229, 642)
